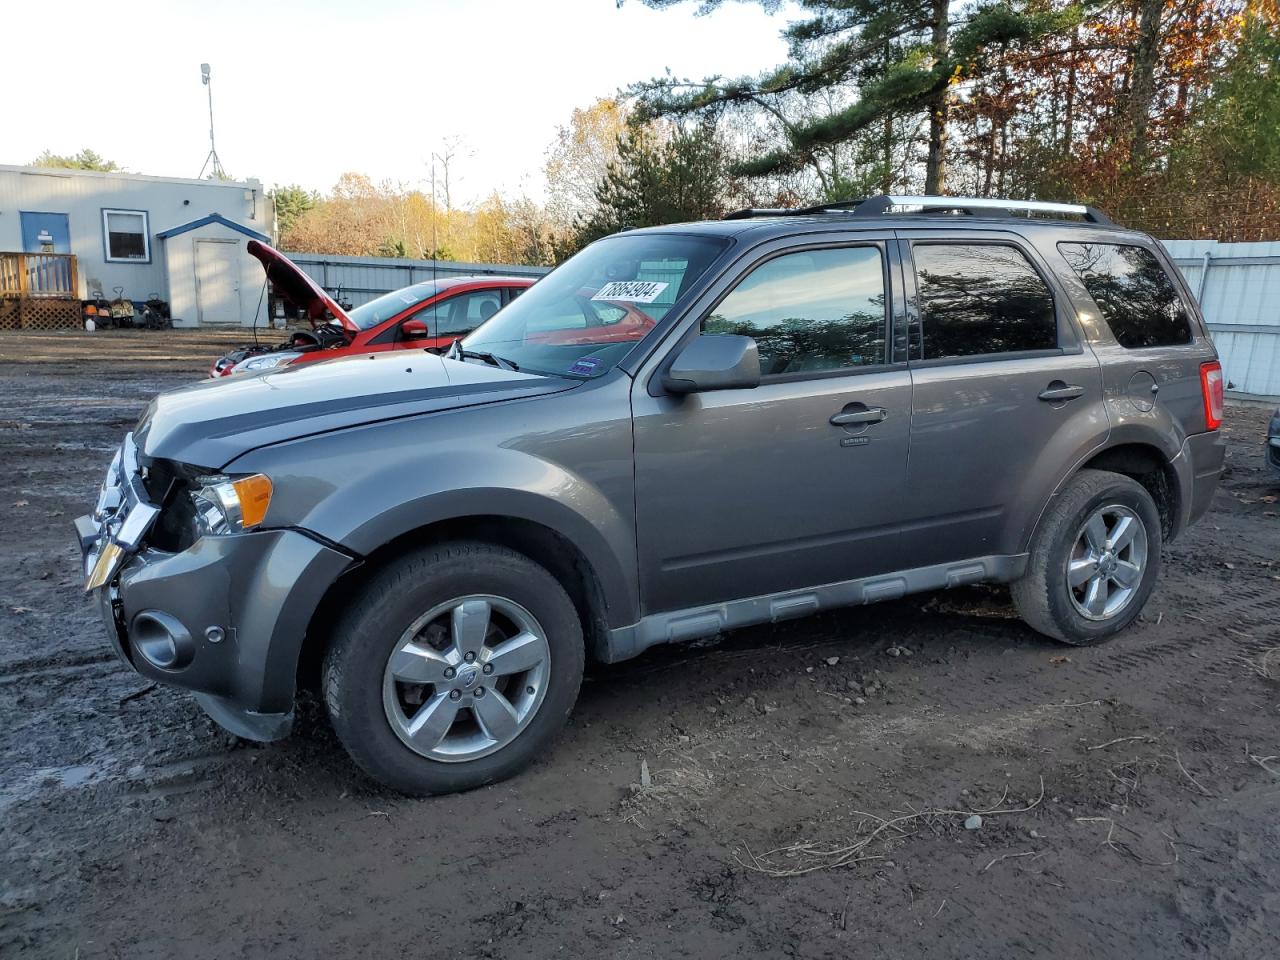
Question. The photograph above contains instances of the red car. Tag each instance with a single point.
(429, 315)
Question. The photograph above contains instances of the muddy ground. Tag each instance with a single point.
(1129, 793)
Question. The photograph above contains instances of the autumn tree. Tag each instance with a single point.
(579, 159)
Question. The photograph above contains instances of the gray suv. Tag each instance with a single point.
(679, 431)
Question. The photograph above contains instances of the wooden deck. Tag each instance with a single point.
(39, 275)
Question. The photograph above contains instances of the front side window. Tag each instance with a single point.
(581, 319)
(981, 298)
(462, 313)
(1133, 292)
(126, 235)
(817, 311)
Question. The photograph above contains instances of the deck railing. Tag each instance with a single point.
(39, 275)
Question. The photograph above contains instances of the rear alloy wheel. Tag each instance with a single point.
(456, 666)
(1094, 559)
(1106, 564)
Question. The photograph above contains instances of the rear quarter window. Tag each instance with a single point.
(1134, 293)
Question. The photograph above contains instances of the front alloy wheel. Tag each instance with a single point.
(466, 678)
(455, 666)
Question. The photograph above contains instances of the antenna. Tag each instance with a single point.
(435, 246)
(211, 162)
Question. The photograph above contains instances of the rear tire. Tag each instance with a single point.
(456, 666)
(1094, 560)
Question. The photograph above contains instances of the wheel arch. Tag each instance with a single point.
(1144, 462)
(545, 545)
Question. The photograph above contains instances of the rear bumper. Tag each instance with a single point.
(1199, 467)
(235, 611)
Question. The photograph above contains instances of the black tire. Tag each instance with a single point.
(369, 630)
(1042, 595)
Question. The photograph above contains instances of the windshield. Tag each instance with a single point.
(586, 315)
(369, 315)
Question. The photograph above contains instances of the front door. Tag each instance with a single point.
(1006, 395)
(218, 281)
(45, 232)
(741, 493)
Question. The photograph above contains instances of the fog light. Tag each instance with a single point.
(161, 640)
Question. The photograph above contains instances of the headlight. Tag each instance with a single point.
(265, 361)
(230, 504)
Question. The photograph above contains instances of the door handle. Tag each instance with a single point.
(869, 415)
(1058, 392)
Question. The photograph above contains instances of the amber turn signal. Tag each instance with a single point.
(254, 494)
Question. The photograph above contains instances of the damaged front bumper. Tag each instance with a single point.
(225, 618)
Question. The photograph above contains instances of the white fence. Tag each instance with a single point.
(1238, 286)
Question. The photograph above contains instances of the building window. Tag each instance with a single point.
(126, 236)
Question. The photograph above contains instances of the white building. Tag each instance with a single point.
(136, 236)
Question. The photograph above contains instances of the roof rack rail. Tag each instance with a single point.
(876, 206)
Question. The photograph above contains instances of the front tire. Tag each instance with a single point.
(1094, 561)
(456, 666)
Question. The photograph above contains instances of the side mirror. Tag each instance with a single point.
(715, 362)
(413, 329)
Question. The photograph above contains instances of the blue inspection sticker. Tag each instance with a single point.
(586, 366)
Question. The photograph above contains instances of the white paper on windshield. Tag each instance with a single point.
(631, 291)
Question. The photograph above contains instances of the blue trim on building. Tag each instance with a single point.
(213, 218)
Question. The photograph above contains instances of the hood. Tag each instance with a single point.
(209, 424)
(299, 289)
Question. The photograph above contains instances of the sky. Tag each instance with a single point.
(305, 91)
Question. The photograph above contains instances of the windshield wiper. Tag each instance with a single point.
(459, 352)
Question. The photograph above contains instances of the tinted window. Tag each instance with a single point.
(810, 312)
(1136, 297)
(980, 298)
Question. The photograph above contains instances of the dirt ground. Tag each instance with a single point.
(797, 790)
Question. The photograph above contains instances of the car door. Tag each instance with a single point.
(1006, 395)
(460, 314)
(794, 483)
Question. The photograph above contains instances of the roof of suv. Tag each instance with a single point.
(877, 213)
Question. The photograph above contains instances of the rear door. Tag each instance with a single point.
(1006, 395)
(797, 482)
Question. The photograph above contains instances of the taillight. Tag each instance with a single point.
(1211, 390)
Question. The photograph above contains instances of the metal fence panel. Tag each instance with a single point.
(361, 279)
(1238, 286)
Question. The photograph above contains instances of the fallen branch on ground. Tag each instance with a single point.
(1123, 848)
(1109, 743)
(1187, 774)
(815, 856)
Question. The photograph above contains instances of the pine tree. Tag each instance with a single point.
(901, 57)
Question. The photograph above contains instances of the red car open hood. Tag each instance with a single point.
(298, 288)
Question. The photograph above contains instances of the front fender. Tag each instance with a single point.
(365, 487)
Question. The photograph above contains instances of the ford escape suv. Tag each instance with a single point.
(679, 431)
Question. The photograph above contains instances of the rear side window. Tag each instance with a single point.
(1135, 295)
(818, 311)
(981, 298)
